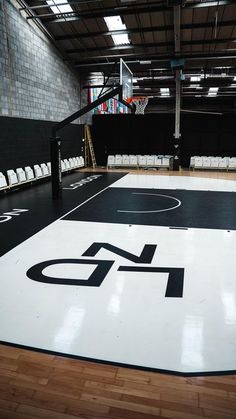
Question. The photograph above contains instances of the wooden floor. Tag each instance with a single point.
(36, 385)
(163, 172)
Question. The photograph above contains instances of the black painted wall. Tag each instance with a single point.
(208, 135)
(202, 134)
(25, 142)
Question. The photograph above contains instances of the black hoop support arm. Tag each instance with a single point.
(55, 142)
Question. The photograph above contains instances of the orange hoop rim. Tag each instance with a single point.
(134, 98)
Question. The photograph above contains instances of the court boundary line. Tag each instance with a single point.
(107, 362)
(80, 205)
(120, 364)
(62, 216)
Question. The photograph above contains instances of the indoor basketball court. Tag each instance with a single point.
(117, 209)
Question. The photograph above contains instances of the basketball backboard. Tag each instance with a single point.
(126, 80)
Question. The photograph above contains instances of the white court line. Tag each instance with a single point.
(87, 200)
(80, 205)
(148, 212)
(60, 218)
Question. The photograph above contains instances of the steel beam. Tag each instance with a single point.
(151, 45)
(124, 11)
(133, 58)
(71, 2)
(177, 29)
(165, 28)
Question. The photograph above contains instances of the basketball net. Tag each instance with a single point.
(140, 103)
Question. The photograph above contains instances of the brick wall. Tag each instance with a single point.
(35, 83)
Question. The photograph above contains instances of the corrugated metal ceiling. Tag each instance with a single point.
(207, 37)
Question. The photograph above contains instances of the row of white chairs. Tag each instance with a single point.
(212, 162)
(39, 171)
(125, 160)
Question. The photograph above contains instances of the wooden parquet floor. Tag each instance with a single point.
(35, 385)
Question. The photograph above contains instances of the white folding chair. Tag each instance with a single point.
(215, 162)
(125, 160)
(21, 176)
(192, 162)
(118, 160)
(151, 161)
(12, 177)
(3, 181)
(232, 163)
(72, 163)
(44, 169)
(37, 171)
(198, 163)
(110, 161)
(79, 164)
(133, 160)
(76, 159)
(29, 173)
(67, 164)
(75, 162)
(63, 167)
(165, 161)
(49, 167)
(158, 161)
(206, 162)
(142, 161)
(223, 163)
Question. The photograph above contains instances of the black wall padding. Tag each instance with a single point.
(25, 142)
(202, 134)
(132, 134)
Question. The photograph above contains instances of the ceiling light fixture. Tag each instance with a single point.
(195, 78)
(165, 91)
(145, 62)
(213, 89)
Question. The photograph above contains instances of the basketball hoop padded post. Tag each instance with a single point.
(140, 103)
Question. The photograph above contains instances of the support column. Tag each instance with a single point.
(55, 148)
(177, 134)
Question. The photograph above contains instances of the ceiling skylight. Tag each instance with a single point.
(165, 91)
(195, 78)
(56, 8)
(213, 91)
(114, 23)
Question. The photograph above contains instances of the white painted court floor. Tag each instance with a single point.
(143, 274)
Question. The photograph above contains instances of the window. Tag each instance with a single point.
(56, 8)
(114, 23)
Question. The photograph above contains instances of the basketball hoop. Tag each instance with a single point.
(140, 103)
